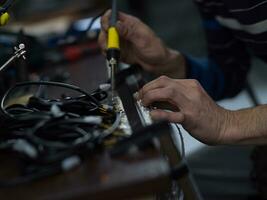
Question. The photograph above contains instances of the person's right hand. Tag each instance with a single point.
(140, 45)
(192, 107)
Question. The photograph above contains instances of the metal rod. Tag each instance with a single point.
(113, 66)
(7, 63)
(114, 13)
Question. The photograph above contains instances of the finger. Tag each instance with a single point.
(102, 40)
(161, 82)
(166, 106)
(128, 26)
(158, 95)
(127, 54)
(126, 18)
(126, 30)
(105, 21)
(173, 117)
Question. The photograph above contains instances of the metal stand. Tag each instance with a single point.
(19, 52)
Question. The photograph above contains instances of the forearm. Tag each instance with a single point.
(247, 126)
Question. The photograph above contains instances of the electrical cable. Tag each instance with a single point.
(94, 19)
(49, 136)
(179, 192)
(62, 85)
(182, 141)
(112, 128)
(48, 131)
(61, 145)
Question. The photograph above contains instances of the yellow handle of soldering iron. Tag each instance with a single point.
(4, 18)
(113, 38)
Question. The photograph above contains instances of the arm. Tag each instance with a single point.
(247, 126)
(201, 116)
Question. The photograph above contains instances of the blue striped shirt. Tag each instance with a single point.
(235, 31)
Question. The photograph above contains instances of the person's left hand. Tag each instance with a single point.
(192, 107)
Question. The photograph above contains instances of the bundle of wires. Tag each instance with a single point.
(48, 136)
(53, 135)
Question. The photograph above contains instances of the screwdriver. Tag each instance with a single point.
(113, 47)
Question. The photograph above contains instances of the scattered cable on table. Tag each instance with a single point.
(53, 135)
(43, 83)
(50, 135)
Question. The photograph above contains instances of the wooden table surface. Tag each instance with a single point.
(100, 177)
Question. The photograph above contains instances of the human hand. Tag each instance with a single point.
(192, 107)
(140, 45)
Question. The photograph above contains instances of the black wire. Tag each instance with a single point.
(63, 85)
(93, 21)
(54, 138)
(33, 134)
(72, 133)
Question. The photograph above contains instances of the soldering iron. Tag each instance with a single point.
(4, 16)
(113, 46)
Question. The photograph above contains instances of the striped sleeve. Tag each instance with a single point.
(223, 73)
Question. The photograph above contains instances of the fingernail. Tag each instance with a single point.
(108, 12)
(105, 27)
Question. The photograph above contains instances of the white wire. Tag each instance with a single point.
(182, 140)
(180, 195)
(114, 126)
